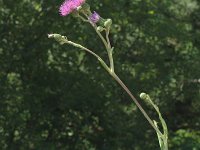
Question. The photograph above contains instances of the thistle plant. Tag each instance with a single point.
(81, 10)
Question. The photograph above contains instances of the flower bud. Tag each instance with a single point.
(147, 99)
(59, 38)
(144, 96)
(108, 23)
(94, 17)
(100, 28)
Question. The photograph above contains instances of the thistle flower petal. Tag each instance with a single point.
(69, 6)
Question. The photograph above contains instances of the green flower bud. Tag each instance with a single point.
(59, 38)
(108, 23)
(100, 28)
(147, 99)
(144, 96)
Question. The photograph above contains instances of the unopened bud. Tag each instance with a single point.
(147, 99)
(108, 23)
(144, 96)
(100, 28)
(94, 17)
(59, 38)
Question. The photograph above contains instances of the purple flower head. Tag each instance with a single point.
(69, 5)
(94, 18)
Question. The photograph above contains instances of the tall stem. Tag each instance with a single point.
(112, 73)
(136, 102)
(63, 40)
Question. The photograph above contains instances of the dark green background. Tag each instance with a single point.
(56, 97)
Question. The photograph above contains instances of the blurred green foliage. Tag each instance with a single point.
(57, 97)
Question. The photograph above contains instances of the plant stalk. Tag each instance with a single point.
(136, 102)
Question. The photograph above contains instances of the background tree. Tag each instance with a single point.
(56, 97)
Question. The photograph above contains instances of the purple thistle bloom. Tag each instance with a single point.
(69, 5)
(94, 18)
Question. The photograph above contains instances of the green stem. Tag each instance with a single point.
(63, 40)
(136, 102)
(107, 46)
(83, 48)
(119, 81)
(111, 71)
(82, 18)
(91, 52)
(111, 61)
(107, 37)
(165, 146)
(102, 38)
(110, 51)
